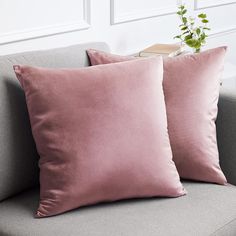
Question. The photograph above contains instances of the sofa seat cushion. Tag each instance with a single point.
(208, 209)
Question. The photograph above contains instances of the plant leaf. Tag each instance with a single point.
(184, 19)
(202, 15)
(187, 37)
(177, 37)
(198, 31)
(191, 42)
(203, 36)
(186, 32)
(205, 21)
(184, 28)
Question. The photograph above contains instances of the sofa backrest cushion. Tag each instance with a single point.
(18, 155)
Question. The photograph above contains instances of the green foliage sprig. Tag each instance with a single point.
(194, 37)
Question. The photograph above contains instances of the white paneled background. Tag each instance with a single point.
(126, 25)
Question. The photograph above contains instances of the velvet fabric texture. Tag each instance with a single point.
(101, 133)
(191, 88)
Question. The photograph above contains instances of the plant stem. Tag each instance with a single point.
(188, 29)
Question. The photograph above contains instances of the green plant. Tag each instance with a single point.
(192, 35)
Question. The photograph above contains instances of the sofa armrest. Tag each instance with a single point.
(226, 133)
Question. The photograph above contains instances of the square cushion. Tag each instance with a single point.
(191, 88)
(101, 133)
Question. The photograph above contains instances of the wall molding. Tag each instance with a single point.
(117, 18)
(204, 4)
(198, 5)
(222, 32)
(39, 32)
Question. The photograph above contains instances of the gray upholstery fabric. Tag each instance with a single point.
(226, 132)
(227, 230)
(18, 156)
(207, 209)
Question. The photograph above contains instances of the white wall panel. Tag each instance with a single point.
(126, 25)
(221, 14)
(21, 20)
(125, 11)
(202, 4)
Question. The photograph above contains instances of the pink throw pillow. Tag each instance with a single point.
(191, 89)
(101, 133)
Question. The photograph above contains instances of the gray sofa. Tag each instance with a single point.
(207, 209)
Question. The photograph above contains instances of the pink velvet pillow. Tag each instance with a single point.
(98, 134)
(191, 88)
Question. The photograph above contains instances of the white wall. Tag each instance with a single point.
(126, 25)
